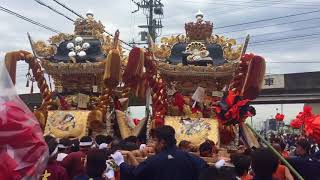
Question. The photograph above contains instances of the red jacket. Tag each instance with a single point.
(55, 172)
(74, 163)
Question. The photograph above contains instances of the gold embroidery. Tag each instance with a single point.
(84, 161)
(46, 175)
(195, 130)
(67, 123)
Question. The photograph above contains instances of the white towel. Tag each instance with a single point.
(61, 156)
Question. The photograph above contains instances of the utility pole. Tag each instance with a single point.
(151, 28)
(154, 17)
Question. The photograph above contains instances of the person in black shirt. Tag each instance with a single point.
(169, 163)
(308, 167)
(264, 163)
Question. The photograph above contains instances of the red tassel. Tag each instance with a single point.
(254, 76)
(134, 67)
(178, 101)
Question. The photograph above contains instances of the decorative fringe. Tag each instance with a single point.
(27, 84)
(254, 78)
(31, 90)
(112, 70)
(32, 79)
(227, 134)
(28, 76)
(134, 69)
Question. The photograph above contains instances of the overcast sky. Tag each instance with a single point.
(117, 15)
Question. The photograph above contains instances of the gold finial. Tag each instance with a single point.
(199, 14)
(89, 14)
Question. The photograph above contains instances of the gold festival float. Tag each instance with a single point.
(199, 83)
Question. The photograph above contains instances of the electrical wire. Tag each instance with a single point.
(120, 41)
(54, 10)
(279, 46)
(285, 38)
(28, 20)
(226, 2)
(281, 32)
(270, 25)
(258, 27)
(271, 2)
(268, 19)
(69, 9)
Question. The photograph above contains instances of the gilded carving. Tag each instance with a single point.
(230, 48)
(57, 39)
(42, 49)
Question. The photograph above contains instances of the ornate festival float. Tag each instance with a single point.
(76, 64)
(199, 83)
(210, 82)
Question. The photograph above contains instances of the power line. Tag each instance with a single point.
(270, 25)
(284, 45)
(285, 38)
(252, 5)
(28, 19)
(258, 2)
(219, 13)
(121, 41)
(298, 29)
(227, 11)
(268, 43)
(269, 19)
(258, 27)
(54, 10)
(44, 26)
(69, 9)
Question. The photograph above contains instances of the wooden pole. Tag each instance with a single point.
(296, 174)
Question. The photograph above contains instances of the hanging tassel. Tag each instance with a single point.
(254, 77)
(27, 85)
(28, 76)
(31, 90)
(113, 68)
(134, 69)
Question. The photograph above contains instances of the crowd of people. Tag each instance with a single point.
(161, 158)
